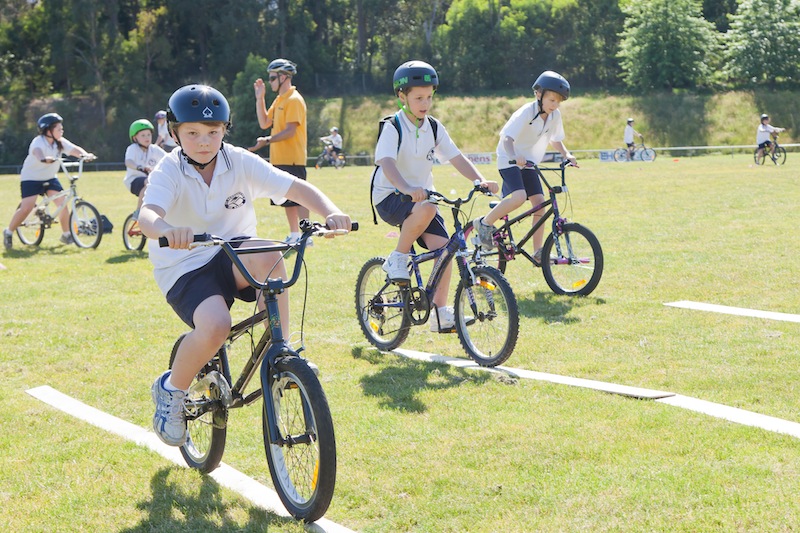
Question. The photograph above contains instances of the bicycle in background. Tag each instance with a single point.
(571, 258)
(330, 157)
(297, 426)
(486, 314)
(132, 236)
(85, 223)
(776, 153)
(640, 153)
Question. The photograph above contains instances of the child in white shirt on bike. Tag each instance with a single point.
(140, 159)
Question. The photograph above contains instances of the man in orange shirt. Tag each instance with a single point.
(287, 118)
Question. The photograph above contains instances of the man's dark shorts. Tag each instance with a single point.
(35, 188)
(298, 171)
(213, 278)
(394, 211)
(517, 179)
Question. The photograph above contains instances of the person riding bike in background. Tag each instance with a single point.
(765, 133)
(141, 157)
(333, 145)
(39, 170)
(627, 137)
(163, 140)
(525, 137)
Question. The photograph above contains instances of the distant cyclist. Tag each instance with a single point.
(765, 133)
(333, 144)
(628, 138)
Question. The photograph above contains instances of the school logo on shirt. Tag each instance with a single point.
(235, 201)
(430, 155)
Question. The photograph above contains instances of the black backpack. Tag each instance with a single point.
(394, 120)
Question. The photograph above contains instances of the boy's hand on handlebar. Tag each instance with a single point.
(521, 161)
(417, 194)
(337, 221)
(179, 238)
(490, 186)
(89, 157)
(573, 161)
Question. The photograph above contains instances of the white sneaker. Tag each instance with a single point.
(169, 420)
(444, 321)
(396, 266)
(7, 239)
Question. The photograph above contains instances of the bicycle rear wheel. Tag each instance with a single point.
(31, 231)
(572, 263)
(302, 463)
(85, 225)
(207, 418)
(648, 154)
(779, 157)
(380, 308)
(620, 155)
(132, 236)
(759, 158)
(487, 317)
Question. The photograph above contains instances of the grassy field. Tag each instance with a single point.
(427, 447)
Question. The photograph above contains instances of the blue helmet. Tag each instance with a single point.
(552, 81)
(198, 103)
(46, 122)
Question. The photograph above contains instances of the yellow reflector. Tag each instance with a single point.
(374, 326)
(579, 283)
(486, 285)
(316, 475)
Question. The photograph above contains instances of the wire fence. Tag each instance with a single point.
(365, 159)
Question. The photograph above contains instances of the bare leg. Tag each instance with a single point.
(212, 324)
(25, 207)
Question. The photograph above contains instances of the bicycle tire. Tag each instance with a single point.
(85, 225)
(492, 258)
(303, 468)
(779, 157)
(205, 442)
(31, 231)
(759, 159)
(132, 236)
(621, 155)
(489, 331)
(378, 307)
(577, 269)
(648, 154)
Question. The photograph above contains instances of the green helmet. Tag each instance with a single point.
(139, 125)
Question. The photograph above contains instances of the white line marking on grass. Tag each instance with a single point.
(739, 311)
(227, 476)
(732, 414)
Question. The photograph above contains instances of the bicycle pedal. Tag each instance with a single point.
(447, 330)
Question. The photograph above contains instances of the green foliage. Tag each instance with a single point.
(763, 44)
(242, 101)
(666, 44)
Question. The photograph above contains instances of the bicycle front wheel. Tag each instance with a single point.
(85, 225)
(31, 231)
(779, 157)
(620, 155)
(206, 420)
(487, 317)
(132, 236)
(380, 308)
(572, 263)
(302, 462)
(648, 154)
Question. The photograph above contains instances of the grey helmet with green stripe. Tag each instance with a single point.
(414, 74)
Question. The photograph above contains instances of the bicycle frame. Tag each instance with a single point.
(70, 195)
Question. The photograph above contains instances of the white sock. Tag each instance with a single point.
(294, 235)
(65, 234)
(168, 384)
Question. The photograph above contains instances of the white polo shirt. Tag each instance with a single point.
(531, 136)
(142, 158)
(225, 208)
(33, 169)
(627, 136)
(415, 157)
(764, 133)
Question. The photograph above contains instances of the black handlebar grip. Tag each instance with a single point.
(163, 242)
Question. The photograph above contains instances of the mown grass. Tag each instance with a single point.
(426, 447)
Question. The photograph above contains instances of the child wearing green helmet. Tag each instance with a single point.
(140, 158)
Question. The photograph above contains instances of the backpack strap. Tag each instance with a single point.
(394, 120)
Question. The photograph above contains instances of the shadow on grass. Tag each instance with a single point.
(132, 255)
(398, 385)
(172, 508)
(550, 308)
(25, 251)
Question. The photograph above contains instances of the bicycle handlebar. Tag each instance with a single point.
(530, 164)
(437, 196)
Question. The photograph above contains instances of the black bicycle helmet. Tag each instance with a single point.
(47, 121)
(198, 103)
(282, 66)
(414, 74)
(552, 81)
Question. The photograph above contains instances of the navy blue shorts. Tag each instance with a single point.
(298, 171)
(137, 185)
(518, 179)
(213, 278)
(35, 188)
(394, 211)
(765, 144)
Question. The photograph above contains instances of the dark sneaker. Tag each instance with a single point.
(7, 239)
(66, 238)
(485, 233)
(169, 420)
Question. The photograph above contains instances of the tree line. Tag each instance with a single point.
(104, 63)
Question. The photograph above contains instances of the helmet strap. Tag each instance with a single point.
(404, 108)
(201, 166)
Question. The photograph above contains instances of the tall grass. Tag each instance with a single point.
(426, 447)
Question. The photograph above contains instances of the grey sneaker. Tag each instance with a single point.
(537, 257)
(396, 266)
(7, 239)
(485, 233)
(66, 239)
(169, 420)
